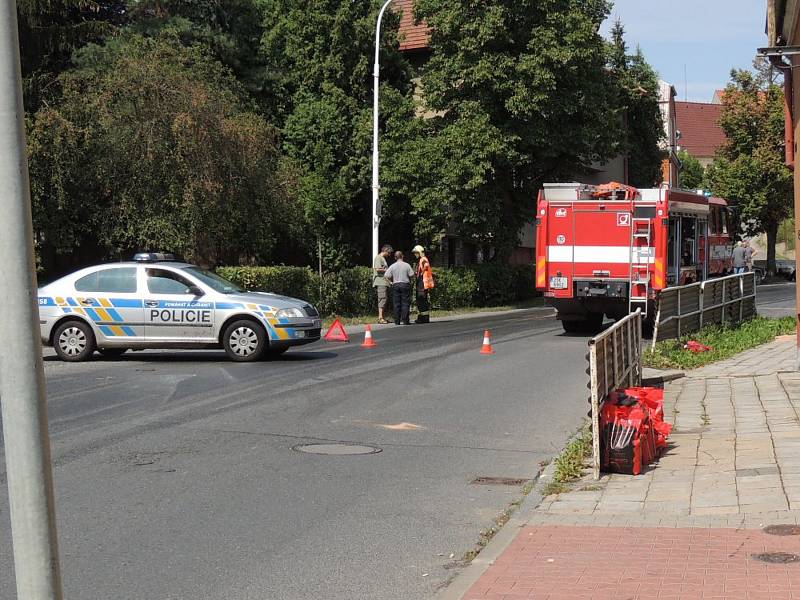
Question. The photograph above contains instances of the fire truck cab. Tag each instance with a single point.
(607, 250)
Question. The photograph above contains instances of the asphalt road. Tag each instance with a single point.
(776, 300)
(176, 475)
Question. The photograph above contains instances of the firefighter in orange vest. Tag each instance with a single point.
(424, 285)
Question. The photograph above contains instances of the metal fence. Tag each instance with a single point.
(719, 301)
(615, 361)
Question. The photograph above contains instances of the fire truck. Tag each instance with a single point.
(607, 250)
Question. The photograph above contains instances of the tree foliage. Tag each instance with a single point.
(517, 94)
(749, 169)
(320, 55)
(641, 130)
(154, 145)
(692, 175)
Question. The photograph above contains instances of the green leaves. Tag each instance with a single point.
(152, 146)
(749, 169)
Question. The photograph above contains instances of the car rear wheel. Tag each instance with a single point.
(244, 341)
(573, 326)
(74, 341)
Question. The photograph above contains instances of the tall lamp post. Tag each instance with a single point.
(376, 186)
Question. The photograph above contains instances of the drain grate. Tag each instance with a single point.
(336, 449)
(782, 529)
(779, 558)
(499, 481)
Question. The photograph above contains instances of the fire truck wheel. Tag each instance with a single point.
(594, 323)
(573, 326)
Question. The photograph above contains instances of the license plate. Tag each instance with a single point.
(558, 283)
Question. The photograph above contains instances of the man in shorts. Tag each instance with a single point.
(379, 267)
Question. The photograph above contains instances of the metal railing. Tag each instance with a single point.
(615, 361)
(718, 301)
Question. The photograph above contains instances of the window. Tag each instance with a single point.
(714, 218)
(161, 281)
(120, 280)
(214, 281)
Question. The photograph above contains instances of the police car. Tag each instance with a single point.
(157, 302)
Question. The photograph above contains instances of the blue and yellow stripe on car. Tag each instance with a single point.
(267, 314)
(102, 313)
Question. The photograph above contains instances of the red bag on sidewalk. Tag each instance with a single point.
(633, 430)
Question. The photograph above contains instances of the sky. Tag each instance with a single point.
(706, 37)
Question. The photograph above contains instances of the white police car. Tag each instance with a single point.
(156, 302)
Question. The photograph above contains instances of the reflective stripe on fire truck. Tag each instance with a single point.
(599, 254)
(541, 280)
(658, 274)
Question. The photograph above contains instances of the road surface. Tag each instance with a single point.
(176, 475)
(776, 299)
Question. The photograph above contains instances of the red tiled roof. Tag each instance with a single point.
(701, 134)
(412, 36)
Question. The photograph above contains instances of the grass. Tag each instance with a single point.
(724, 341)
(372, 319)
(570, 463)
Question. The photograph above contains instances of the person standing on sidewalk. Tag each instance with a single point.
(424, 285)
(739, 259)
(749, 251)
(400, 275)
(379, 267)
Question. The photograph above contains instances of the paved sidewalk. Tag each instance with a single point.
(691, 526)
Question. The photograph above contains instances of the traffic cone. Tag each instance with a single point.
(368, 341)
(487, 343)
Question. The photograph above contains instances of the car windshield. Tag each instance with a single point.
(214, 281)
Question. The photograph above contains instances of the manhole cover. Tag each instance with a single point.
(777, 557)
(499, 481)
(782, 529)
(336, 449)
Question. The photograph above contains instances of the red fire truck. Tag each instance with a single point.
(608, 249)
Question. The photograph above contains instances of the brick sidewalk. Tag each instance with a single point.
(691, 526)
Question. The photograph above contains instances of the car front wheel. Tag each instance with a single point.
(244, 341)
(74, 341)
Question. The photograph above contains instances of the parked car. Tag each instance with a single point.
(157, 302)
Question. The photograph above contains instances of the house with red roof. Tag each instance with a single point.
(413, 36)
(700, 132)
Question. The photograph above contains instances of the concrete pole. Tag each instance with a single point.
(22, 391)
(376, 220)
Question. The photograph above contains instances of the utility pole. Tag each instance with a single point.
(22, 391)
(376, 187)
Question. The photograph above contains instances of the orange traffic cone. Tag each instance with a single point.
(368, 341)
(487, 343)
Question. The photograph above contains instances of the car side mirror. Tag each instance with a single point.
(195, 291)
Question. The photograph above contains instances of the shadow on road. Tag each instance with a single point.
(200, 356)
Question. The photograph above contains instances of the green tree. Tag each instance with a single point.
(231, 30)
(51, 30)
(749, 169)
(642, 127)
(153, 145)
(692, 174)
(320, 57)
(517, 94)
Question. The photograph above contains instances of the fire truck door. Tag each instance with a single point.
(674, 251)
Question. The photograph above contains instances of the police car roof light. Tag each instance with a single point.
(153, 256)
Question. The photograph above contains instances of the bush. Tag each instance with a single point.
(349, 292)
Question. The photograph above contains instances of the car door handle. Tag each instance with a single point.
(87, 301)
(151, 303)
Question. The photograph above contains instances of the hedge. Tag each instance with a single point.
(349, 292)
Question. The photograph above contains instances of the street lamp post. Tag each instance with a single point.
(376, 216)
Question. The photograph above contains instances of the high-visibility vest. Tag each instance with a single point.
(424, 269)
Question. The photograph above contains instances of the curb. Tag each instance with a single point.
(663, 378)
(465, 579)
(351, 329)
